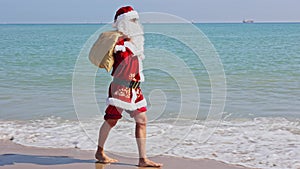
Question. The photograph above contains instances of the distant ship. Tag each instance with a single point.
(248, 21)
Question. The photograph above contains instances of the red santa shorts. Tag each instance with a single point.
(113, 112)
(121, 99)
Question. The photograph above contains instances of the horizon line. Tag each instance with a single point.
(98, 23)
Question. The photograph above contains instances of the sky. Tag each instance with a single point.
(98, 11)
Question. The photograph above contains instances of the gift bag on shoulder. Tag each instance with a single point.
(101, 53)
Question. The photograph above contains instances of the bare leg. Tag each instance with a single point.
(103, 133)
(140, 134)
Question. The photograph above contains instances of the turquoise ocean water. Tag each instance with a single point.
(262, 67)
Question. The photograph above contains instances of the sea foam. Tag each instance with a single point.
(259, 142)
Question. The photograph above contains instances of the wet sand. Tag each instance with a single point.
(15, 156)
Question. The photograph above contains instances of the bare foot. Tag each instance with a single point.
(102, 158)
(148, 163)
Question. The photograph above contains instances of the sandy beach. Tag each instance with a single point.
(15, 156)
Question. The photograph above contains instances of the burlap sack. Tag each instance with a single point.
(101, 54)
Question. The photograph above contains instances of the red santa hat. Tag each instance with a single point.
(126, 12)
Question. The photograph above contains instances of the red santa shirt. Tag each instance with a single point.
(127, 67)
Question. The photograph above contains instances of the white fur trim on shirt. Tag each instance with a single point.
(126, 105)
(142, 77)
(140, 104)
(134, 50)
(134, 96)
(119, 48)
(130, 46)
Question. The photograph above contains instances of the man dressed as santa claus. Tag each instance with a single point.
(125, 93)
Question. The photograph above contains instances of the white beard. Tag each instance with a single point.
(138, 42)
(129, 28)
(134, 31)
